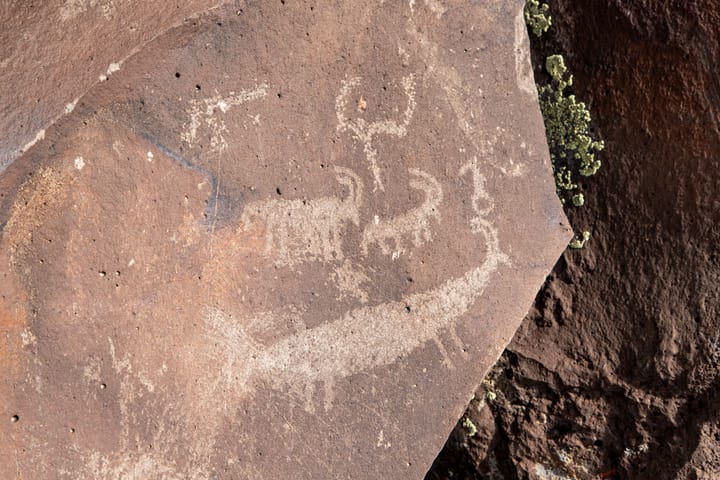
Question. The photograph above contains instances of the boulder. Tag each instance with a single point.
(282, 240)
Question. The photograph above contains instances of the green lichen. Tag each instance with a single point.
(536, 17)
(567, 125)
(469, 427)
(567, 122)
(578, 242)
(563, 180)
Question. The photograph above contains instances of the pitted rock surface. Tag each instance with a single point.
(285, 240)
(55, 50)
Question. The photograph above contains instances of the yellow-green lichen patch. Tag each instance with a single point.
(579, 242)
(469, 427)
(567, 125)
(536, 17)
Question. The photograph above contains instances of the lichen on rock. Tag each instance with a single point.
(567, 125)
(536, 17)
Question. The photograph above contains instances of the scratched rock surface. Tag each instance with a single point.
(55, 50)
(284, 240)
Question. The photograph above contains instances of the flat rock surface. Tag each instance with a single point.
(53, 51)
(284, 240)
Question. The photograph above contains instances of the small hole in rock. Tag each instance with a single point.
(177, 74)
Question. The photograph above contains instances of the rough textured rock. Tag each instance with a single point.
(615, 370)
(285, 240)
(53, 51)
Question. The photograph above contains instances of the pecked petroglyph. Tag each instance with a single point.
(74, 8)
(412, 226)
(364, 131)
(298, 231)
(447, 78)
(203, 112)
(479, 195)
(126, 462)
(349, 279)
(362, 339)
(435, 6)
(142, 466)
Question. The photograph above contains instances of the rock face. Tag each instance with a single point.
(55, 50)
(615, 370)
(285, 240)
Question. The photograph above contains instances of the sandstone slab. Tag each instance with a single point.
(285, 240)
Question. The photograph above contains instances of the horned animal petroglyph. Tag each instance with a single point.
(365, 132)
(479, 195)
(298, 231)
(363, 338)
(413, 225)
(204, 111)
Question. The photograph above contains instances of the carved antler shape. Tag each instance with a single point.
(365, 131)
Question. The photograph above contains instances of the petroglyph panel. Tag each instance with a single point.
(302, 230)
(411, 228)
(277, 242)
(364, 131)
(204, 114)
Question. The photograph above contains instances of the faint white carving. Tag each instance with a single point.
(479, 195)
(361, 339)
(126, 463)
(413, 225)
(434, 5)
(74, 8)
(349, 279)
(298, 230)
(364, 131)
(204, 112)
(139, 466)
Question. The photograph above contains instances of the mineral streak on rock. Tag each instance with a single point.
(279, 241)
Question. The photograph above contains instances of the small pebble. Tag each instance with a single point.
(14, 419)
(103, 386)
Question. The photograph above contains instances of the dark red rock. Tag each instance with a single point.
(295, 260)
(615, 371)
